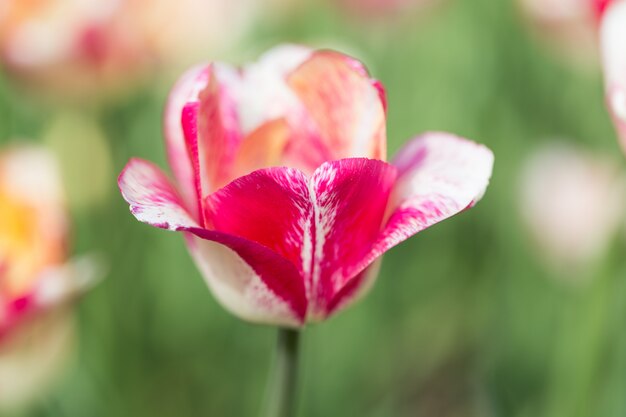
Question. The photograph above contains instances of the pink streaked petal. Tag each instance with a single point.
(355, 288)
(350, 197)
(612, 41)
(219, 134)
(266, 274)
(270, 207)
(151, 196)
(323, 226)
(382, 93)
(186, 90)
(440, 175)
(189, 123)
(345, 105)
(250, 280)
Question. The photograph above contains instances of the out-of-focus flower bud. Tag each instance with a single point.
(613, 42)
(573, 203)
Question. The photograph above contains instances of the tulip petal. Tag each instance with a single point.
(345, 105)
(261, 88)
(613, 39)
(323, 226)
(440, 175)
(151, 196)
(249, 279)
(350, 197)
(186, 90)
(354, 289)
(263, 147)
(264, 99)
(219, 134)
(269, 206)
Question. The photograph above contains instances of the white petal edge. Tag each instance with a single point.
(151, 196)
(440, 175)
(236, 286)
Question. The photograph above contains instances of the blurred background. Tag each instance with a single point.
(515, 308)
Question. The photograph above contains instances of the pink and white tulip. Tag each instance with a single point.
(573, 203)
(282, 189)
(613, 41)
(37, 282)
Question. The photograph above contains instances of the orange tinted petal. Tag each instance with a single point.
(263, 147)
(344, 104)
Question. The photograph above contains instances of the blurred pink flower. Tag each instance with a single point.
(573, 203)
(282, 188)
(78, 47)
(569, 26)
(36, 279)
(613, 43)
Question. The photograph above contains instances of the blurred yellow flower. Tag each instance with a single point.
(36, 279)
(32, 221)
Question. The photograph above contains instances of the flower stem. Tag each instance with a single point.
(282, 386)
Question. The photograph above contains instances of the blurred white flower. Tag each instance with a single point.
(613, 43)
(573, 203)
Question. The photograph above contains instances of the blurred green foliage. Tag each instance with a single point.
(464, 319)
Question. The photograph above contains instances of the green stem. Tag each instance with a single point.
(282, 387)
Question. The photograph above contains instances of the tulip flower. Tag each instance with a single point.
(612, 40)
(282, 189)
(282, 185)
(37, 282)
(79, 48)
(573, 203)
